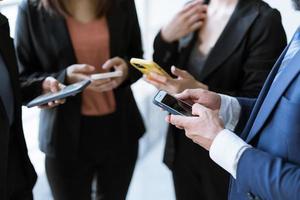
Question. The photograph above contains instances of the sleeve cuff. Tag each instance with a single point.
(160, 43)
(230, 111)
(226, 150)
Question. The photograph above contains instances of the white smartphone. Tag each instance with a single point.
(106, 75)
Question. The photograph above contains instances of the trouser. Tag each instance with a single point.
(21, 176)
(195, 175)
(22, 195)
(102, 158)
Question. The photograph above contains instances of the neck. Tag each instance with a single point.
(82, 10)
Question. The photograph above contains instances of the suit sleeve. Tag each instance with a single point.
(31, 73)
(165, 54)
(266, 41)
(267, 176)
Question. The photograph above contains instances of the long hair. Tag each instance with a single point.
(58, 7)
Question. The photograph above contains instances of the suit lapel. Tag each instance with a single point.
(61, 38)
(262, 95)
(276, 91)
(241, 19)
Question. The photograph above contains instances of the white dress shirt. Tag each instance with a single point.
(227, 148)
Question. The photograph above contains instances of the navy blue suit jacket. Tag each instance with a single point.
(271, 170)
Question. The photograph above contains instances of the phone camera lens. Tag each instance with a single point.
(140, 66)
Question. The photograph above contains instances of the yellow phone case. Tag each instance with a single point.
(147, 66)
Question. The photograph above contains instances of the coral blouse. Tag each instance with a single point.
(91, 45)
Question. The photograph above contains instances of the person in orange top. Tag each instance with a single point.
(94, 136)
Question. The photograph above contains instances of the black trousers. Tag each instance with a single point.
(19, 184)
(103, 156)
(23, 195)
(196, 176)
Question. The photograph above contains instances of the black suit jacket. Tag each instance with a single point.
(241, 59)
(44, 49)
(237, 65)
(14, 132)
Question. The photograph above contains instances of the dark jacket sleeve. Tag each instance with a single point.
(266, 41)
(247, 105)
(135, 48)
(165, 54)
(30, 72)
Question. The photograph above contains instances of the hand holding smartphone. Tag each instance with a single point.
(70, 90)
(172, 105)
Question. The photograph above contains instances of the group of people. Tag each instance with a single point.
(220, 54)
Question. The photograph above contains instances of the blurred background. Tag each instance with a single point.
(151, 180)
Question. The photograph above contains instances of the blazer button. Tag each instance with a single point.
(250, 196)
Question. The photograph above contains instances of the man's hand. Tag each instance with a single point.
(188, 20)
(203, 128)
(204, 97)
(50, 84)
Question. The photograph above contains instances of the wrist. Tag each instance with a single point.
(217, 132)
(165, 36)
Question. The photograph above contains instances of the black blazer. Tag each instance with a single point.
(44, 48)
(241, 59)
(15, 132)
(244, 54)
(237, 65)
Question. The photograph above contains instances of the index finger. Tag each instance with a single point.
(193, 94)
(157, 77)
(178, 120)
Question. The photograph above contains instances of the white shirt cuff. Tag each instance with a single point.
(229, 111)
(227, 149)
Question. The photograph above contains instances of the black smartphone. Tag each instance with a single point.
(172, 105)
(70, 90)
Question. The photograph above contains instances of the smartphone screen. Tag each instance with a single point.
(171, 104)
(179, 106)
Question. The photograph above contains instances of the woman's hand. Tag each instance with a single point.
(188, 20)
(183, 81)
(118, 64)
(79, 72)
(50, 84)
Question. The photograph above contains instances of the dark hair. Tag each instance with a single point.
(58, 7)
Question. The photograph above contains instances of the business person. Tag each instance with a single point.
(264, 160)
(93, 136)
(17, 176)
(228, 47)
